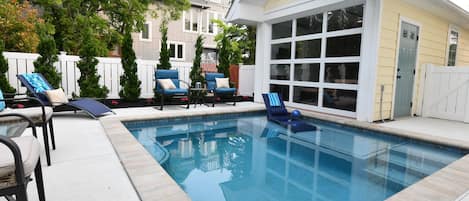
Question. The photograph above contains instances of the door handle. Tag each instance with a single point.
(398, 77)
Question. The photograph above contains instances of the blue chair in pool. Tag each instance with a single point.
(37, 85)
(278, 113)
(173, 75)
(218, 93)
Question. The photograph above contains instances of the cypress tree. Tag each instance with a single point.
(164, 51)
(224, 57)
(89, 78)
(129, 80)
(4, 84)
(196, 70)
(45, 63)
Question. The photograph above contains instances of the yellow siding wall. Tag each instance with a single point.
(432, 48)
(273, 4)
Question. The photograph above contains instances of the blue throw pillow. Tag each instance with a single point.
(2, 103)
(37, 82)
(274, 100)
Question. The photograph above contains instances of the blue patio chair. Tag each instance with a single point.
(278, 113)
(37, 85)
(170, 93)
(218, 93)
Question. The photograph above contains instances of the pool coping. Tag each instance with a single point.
(152, 183)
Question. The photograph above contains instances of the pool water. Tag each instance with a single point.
(247, 158)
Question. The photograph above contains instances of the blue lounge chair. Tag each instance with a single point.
(277, 112)
(210, 79)
(37, 85)
(174, 76)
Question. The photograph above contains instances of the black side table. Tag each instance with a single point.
(198, 95)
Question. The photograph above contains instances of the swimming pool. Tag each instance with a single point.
(244, 157)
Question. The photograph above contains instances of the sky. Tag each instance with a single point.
(462, 3)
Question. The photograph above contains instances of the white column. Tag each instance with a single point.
(262, 69)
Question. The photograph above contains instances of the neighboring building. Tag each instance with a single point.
(182, 34)
(333, 56)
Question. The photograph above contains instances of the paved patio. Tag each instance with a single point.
(85, 166)
(430, 126)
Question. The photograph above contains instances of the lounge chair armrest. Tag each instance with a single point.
(29, 120)
(186, 83)
(15, 150)
(43, 107)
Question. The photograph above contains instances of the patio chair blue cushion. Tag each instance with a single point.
(225, 90)
(176, 91)
(167, 74)
(2, 103)
(210, 78)
(37, 82)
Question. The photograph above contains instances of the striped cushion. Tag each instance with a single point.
(274, 100)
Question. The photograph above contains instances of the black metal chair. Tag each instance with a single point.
(19, 158)
(41, 117)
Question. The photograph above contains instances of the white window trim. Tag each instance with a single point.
(215, 27)
(184, 13)
(183, 50)
(322, 60)
(450, 29)
(149, 33)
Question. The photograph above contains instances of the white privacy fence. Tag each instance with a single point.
(110, 69)
(446, 93)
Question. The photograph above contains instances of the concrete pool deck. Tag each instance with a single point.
(86, 165)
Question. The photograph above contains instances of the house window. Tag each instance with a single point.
(176, 50)
(208, 26)
(191, 20)
(315, 60)
(453, 46)
(145, 34)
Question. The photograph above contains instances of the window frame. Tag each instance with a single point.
(149, 39)
(452, 28)
(191, 20)
(322, 61)
(176, 43)
(215, 27)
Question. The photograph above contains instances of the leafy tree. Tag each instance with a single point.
(18, 21)
(129, 80)
(48, 56)
(232, 42)
(89, 78)
(4, 84)
(164, 51)
(196, 70)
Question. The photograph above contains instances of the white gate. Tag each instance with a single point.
(446, 93)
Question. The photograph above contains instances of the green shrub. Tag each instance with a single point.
(44, 64)
(4, 84)
(129, 80)
(164, 51)
(196, 71)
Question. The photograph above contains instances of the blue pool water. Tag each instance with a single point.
(247, 158)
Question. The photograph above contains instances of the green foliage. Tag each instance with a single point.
(89, 79)
(129, 80)
(249, 46)
(164, 51)
(4, 84)
(44, 64)
(232, 42)
(18, 21)
(170, 9)
(196, 71)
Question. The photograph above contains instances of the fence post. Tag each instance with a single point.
(425, 110)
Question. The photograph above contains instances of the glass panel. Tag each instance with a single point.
(306, 95)
(308, 49)
(340, 99)
(282, 30)
(343, 46)
(281, 51)
(280, 72)
(211, 26)
(205, 22)
(180, 52)
(195, 21)
(307, 72)
(346, 73)
(172, 50)
(309, 25)
(282, 90)
(145, 31)
(187, 21)
(453, 47)
(347, 18)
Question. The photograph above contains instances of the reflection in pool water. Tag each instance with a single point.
(251, 159)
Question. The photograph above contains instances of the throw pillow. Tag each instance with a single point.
(222, 82)
(2, 103)
(166, 84)
(57, 96)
